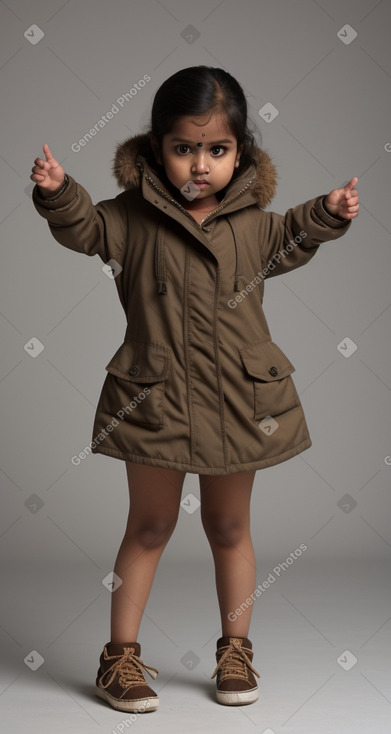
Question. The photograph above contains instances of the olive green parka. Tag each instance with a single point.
(197, 385)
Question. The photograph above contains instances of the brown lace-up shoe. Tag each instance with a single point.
(236, 684)
(120, 680)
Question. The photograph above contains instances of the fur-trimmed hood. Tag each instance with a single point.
(128, 171)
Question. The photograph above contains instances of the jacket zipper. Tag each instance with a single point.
(179, 206)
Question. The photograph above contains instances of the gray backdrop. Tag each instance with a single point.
(325, 67)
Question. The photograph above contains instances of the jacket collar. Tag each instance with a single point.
(134, 155)
(134, 161)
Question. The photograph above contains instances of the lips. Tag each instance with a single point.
(199, 182)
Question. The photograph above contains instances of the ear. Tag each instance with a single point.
(238, 154)
(156, 149)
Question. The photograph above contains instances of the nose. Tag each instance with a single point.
(200, 163)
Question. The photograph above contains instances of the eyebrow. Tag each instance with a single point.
(189, 142)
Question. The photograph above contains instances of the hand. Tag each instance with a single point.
(343, 202)
(49, 175)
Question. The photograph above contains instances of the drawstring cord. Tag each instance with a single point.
(238, 259)
(160, 259)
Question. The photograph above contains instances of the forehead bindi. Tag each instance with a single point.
(199, 130)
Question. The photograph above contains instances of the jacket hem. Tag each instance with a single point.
(216, 470)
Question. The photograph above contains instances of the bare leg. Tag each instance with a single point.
(225, 513)
(154, 495)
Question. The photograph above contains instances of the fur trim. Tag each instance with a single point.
(128, 173)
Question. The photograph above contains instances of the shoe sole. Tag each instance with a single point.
(237, 699)
(138, 705)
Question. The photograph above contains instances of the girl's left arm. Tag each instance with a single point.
(290, 241)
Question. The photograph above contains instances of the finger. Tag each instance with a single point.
(37, 177)
(347, 194)
(49, 155)
(352, 182)
(42, 167)
(350, 212)
(350, 185)
(42, 163)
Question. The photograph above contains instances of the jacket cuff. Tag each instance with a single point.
(329, 219)
(60, 199)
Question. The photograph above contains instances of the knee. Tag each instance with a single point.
(154, 533)
(223, 530)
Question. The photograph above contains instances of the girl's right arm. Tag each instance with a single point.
(72, 218)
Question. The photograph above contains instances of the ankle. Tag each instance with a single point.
(243, 634)
(121, 639)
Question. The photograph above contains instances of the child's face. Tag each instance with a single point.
(199, 149)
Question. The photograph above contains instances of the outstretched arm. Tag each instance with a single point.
(72, 218)
(290, 241)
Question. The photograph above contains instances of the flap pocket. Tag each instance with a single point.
(141, 362)
(266, 361)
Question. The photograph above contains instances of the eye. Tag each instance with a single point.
(182, 149)
(218, 148)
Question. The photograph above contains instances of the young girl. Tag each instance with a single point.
(198, 385)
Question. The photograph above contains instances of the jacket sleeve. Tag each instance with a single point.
(79, 225)
(289, 241)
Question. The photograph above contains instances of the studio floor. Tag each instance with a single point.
(320, 632)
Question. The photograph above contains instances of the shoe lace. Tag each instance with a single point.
(129, 668)
(234, 663)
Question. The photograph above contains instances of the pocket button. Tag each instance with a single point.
(273, 371)
(134, 370)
